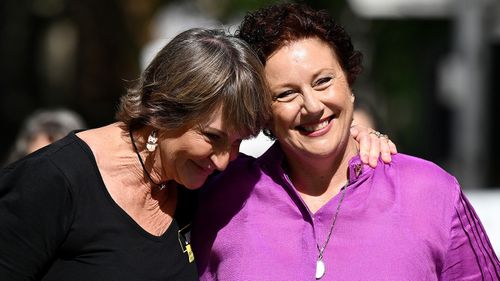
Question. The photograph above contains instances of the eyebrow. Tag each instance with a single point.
(314, 76)
(322, 70)
(224, 134)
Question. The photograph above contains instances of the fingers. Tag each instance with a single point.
(361, 135)
(385, 149)
(392, 147)
(365, 144)
(372, 145)
(354, 131)
(375, 149)
(369, 147)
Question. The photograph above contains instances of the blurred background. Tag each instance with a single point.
(431, 79)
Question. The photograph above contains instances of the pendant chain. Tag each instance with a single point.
(322, 249)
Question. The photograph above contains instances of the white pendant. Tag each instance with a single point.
(152, 142)
(150, 147)
(320, 269)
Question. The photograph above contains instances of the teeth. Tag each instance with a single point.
(312, 128)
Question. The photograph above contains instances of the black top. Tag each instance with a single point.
(58, 222)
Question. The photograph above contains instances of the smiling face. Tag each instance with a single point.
(189, 158)
(313, 104)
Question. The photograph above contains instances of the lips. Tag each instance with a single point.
(203, 168)
(316, 128)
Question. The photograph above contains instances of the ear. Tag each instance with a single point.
(268, 133)
(353, 98)
(267, 129)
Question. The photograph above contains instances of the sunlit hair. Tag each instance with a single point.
(195, 74)
(268, 29)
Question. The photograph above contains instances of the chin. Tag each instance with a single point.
(320, 153)
(324, 150)
(193, 184)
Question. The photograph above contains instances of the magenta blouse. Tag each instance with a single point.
(407, 220)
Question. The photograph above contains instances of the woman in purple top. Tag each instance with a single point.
(308, 208)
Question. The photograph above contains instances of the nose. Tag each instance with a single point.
(311, 102)
(221, 160)
(235, 149)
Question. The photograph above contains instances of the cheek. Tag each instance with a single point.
(284, 115)
(201, 150)
(347, 112)
(349, 102)
(190, 149)
(279, 124)
(340, 98)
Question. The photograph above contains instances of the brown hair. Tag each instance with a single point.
(268, 29)
(197, 72)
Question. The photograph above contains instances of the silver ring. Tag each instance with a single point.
(376, 133)
(380, 135)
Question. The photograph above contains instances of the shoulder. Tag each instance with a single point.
(244, 173)
(241, 168)
(69, 145)
(414, 169)
(38, 182)
(243, 160)
(229, 189)
(53, 165)
(419, 180)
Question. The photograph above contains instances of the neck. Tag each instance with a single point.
(149, 162)
(319, 179)
(116, 158)
(124, 177)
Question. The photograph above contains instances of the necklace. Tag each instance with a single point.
(161, 186)
(320, 265)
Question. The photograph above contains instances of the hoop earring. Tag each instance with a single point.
(152, 141)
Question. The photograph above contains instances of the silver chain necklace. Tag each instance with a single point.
(320, 265)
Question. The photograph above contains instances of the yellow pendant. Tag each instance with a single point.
(190, 253)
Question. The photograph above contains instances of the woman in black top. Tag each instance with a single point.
(104, 204)
(107, 203)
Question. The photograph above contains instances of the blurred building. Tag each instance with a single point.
(463, 82)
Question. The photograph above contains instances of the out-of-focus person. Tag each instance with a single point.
(44, 127)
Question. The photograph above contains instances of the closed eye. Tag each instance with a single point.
(286, 96)
(322, 81)
(212, 137)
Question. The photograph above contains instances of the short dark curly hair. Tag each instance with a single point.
(268, 29)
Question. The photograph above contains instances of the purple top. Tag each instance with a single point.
(407, 220)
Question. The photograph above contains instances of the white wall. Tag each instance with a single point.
(487, 206)
(256, 146)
